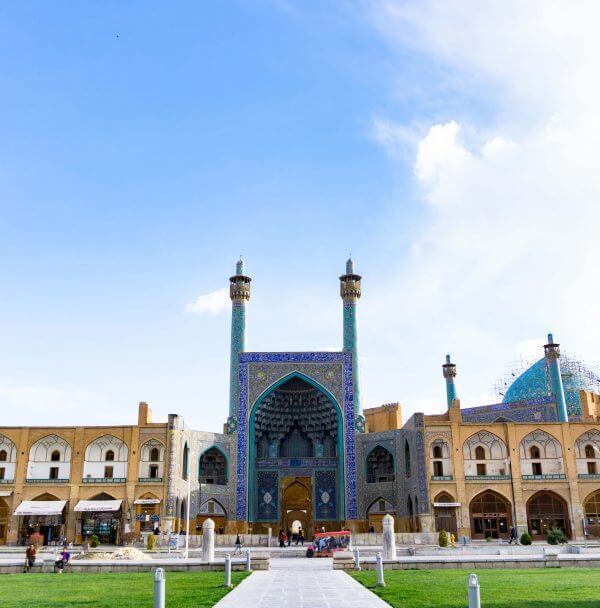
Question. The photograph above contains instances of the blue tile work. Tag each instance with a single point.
(332, 370)
(351, 346)
(325, 495)
(540, 409)
(238, 344)
(417, 484)
(293, 463)
(267, 485)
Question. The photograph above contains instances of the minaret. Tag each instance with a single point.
(239, 292)
(350, 292)
(449, 371)
(552, 353)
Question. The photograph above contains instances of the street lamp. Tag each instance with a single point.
(188, 504)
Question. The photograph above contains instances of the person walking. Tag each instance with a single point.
(238, 545)
(289, 538)
(512, 536)
(300, 537)
(30, 555)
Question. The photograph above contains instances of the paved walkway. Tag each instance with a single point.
(301, 583)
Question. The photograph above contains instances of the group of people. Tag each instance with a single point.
(286, 538)
(61, 561)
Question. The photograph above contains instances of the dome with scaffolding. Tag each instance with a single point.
(534, 382)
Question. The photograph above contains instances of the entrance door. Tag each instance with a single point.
(546, 510)
(296, 504)
(445, 519)
(490, 516)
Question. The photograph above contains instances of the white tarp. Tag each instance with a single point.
(95, 506)
(5, 492)
(41, 507)
(446, 504)
(146, 501)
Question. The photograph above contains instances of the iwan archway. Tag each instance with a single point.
(295, 431)
(296, 437)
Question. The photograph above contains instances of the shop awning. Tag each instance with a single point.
(95, 506)
(41, 507)
(446, 504)
(146, 501)
(5, 492)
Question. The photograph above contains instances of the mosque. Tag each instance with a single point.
(298, 449)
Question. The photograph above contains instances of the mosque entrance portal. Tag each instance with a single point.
(296, 505)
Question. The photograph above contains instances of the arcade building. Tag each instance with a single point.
(298, 449)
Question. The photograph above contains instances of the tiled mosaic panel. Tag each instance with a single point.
(267, 495)
(325, 498)
(541, 409)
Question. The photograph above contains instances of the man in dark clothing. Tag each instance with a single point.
(30, 555)
(512, 537)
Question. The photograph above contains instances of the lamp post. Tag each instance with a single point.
(188, 505)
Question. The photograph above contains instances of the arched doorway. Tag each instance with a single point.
(591, 507)
(212, 509)
(444, 512)
(547, 510)
(296, 506)
(490, 516)
(103, 521)
(213, 467)
(380, 465)
(378, 509)
(3, 521)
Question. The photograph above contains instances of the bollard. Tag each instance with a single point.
(357, 559)
(473, 592)
(380, 581)
(159, 588)
(228, 571)
(269, 537)
(248, 561)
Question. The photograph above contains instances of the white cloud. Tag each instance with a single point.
(212, 303)
(508, 244)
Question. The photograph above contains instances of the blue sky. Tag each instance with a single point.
(144, 147)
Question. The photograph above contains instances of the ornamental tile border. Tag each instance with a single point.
(339, 385)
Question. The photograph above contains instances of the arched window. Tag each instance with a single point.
(380, 465)
(479, 453)
(3, 456)
(55, 456)
(534, 451)
(154, 455)
(186, 461)
(589, 451)
(109, 456)
(406, 458)
(213, 467)
(437, 451)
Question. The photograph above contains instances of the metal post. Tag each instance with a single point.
(269, 537)
(228, 570)
(248, 561)
(379, 559)
(357, 559)
(159, 588)
(187, 514)
(473, 592)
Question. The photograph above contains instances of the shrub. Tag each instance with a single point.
(94, 541)
(556, 536)
(525, 538)
(443, 538)
(488, 537)
(151, 542)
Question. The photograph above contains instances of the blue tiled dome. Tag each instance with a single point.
(535, 382)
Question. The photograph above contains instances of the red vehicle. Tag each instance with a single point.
(325, 544)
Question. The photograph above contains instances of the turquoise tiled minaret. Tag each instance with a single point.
(239, 292)
(552, 353)
(350, 292)
(449, 371)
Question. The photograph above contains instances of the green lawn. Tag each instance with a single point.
(70, 590)
(534, 588)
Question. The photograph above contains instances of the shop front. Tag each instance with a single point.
(44, 520)
(147, 514)
(102, 518)
(4, 514)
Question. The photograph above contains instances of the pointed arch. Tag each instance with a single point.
(106, 457)
(491, 515)
(249, 452)
(380, 465)
(213, 466)
(49, 458)
(541, 455)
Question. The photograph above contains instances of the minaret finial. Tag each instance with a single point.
(349, 265)
(239, 267)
